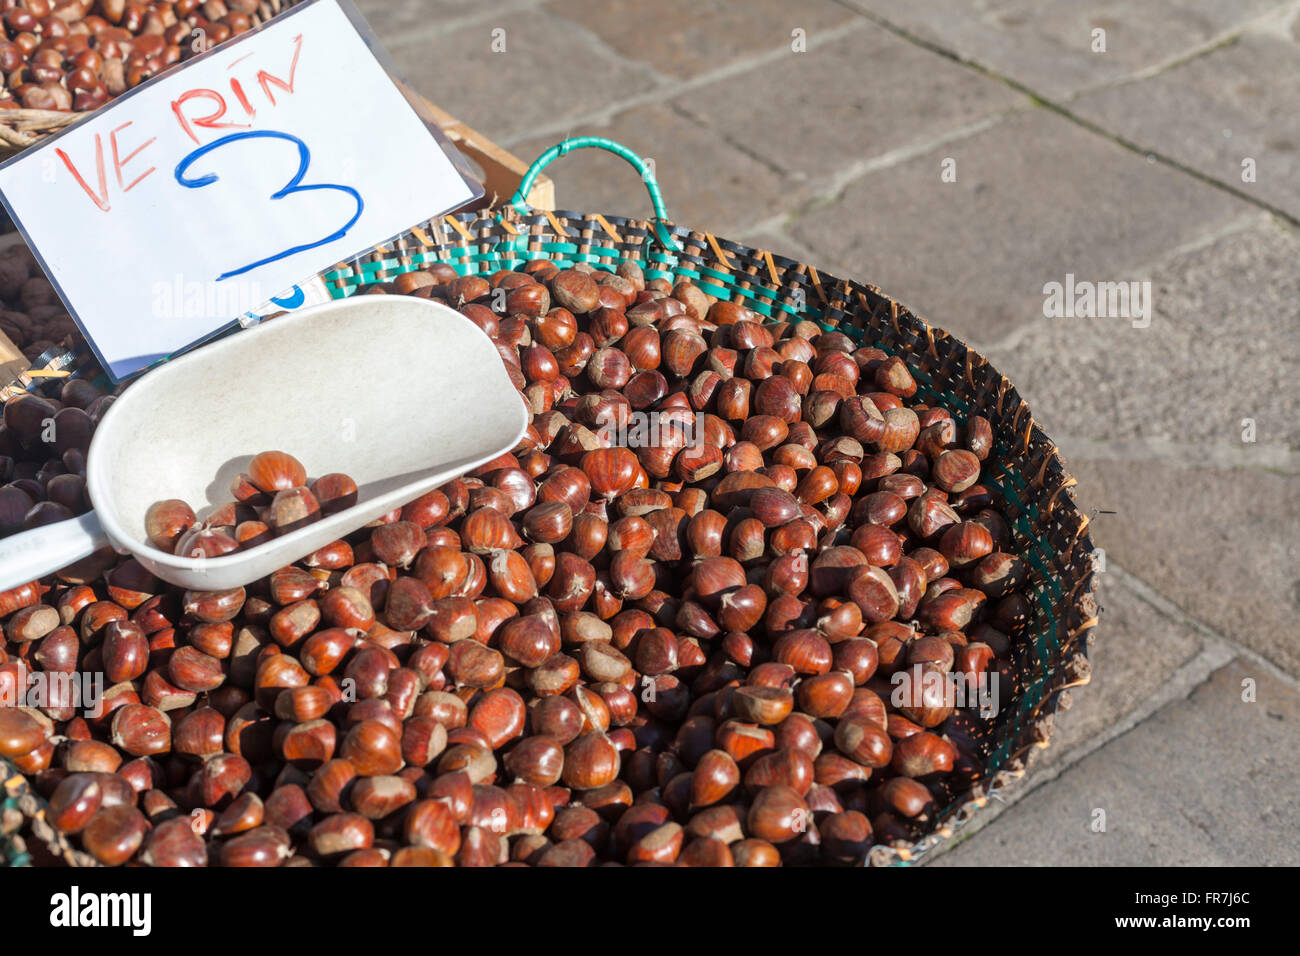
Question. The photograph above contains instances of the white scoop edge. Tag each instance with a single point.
(402, 394)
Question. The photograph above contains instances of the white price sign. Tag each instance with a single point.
(207, 191)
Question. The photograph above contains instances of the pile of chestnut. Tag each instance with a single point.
(31, 314)
(271, 499)
(79, 54)
(43, 439)
(581, 652)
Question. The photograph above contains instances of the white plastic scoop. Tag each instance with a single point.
(401, 394)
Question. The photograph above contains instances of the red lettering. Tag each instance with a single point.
(207, 122)
(266, 79)
(238, 90)
(100, 199)
(119, 163)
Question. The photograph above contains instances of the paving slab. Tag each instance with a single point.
(397, 21)
(684, 38)
(859, 96)
(1206, 780)
(1135, 652)
(1047, 45)
(1219, 543)
(546, 70)
(706, 182)
(1222, 346)
(1234, 105)
(1036, 197)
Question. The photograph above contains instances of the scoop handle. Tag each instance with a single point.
(41, 551)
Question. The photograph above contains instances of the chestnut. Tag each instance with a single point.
(377, 797)
(200, 733)
(244, 813)
(432, 823)
(922, 755)
(778, 815)
(826, 695)
(956, 470)
(75, 802)
(845, 838)
(166, 521)
(755, 852)
(341, 833)
(114, 834)
(261, 846)
(715, 776)
(590, 762)
(863, 741)
(174, 843)
(785, 767)
(763, 705)
(273, 471)
(372, 748)
(137, 729)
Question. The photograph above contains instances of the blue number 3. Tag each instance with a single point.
(294, 186)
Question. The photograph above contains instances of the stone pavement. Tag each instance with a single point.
(1113, 140)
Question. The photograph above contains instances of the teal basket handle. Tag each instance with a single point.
(519, 200)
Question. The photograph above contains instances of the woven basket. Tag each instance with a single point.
(1048, 530)
(21, 128)
(1026, 474)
